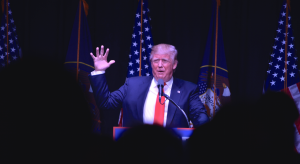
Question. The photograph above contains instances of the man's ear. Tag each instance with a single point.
(175, 64)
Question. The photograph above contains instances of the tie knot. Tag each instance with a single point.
(165, 83)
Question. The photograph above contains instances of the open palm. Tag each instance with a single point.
(100, 60)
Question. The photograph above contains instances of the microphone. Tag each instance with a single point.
(160, 86)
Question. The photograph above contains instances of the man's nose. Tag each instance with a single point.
(160, 63)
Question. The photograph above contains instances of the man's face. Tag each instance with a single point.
(163, 66)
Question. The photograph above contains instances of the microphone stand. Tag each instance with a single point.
(187, 120)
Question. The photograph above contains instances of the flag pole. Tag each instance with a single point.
(216, 54)
(78, 43)
(7, 59)
(286, 43)
(140, 72)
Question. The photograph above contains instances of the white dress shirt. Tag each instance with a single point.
(149, 106)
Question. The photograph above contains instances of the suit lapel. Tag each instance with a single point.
(144, 89)
(175, 96)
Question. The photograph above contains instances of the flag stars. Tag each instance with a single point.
(139, 24)
(11, 41)
(12, 21)
(130, 64)
(137, 61)
(136, 52)
(295, 58)
(280, 22)
(1, 48)
(145, 57)
(129, 55)
(281, 78)
(144, 12)
(140, 32)
(284, 70)
(279, 58)
(274, 47)
(279, 30)
(146, 29)
(283, 14)
(292, 38)
(291, 46)
(289, 54)
(271, 63)
(14, 57)
(2, 56)
(9, 33)
(133, 35)
(138, 69)
(13, 49)
(281, 50)
(277, 66)
(134, 44)
(3, 36)
(289, 25)
(275, 74)
(137, 15)
(142, 41)
(294, 66)
(269, 71)
(273, 55)
(14, 29)
(131, 72)
(2, 28)
(289, 17)
(146, 66)
(284, 6)
(292, 74)
(287, 62)
(5, 45)
(150, 46)
(283, 42)
(145, 20)
(276, 38)
(9, 12)
(147, 74)
(272, 82)
(285, 34)
(143, 49)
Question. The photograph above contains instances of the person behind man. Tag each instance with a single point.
(139, 95)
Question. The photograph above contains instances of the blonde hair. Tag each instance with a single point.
(164, 49)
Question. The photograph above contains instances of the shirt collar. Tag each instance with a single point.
(168, 83)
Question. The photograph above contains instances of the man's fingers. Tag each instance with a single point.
(97, 51)
(111, 62)
(106, 53)
(102, 50)
(92, 55)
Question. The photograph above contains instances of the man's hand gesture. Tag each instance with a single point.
(100, 61)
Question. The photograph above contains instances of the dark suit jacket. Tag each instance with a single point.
(132, 95)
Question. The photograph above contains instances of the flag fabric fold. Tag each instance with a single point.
(10, 52)
(283, 73)
(81, 36)
(211, 99)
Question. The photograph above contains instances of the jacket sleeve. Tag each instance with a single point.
(103, 98)
(197, 111)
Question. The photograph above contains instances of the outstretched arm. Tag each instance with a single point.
(100, 60)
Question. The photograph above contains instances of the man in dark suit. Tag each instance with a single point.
(139, 95)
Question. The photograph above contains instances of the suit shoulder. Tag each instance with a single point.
(138, 79)
(185, 83)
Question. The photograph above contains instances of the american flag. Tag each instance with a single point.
(141, 42)
(141, 35)
(276, 73)
(10, 52)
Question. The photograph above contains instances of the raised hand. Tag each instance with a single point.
(100, 61)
